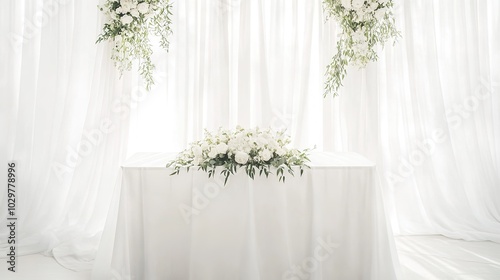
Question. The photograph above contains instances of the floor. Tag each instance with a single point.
(441, 258)
(421, 257)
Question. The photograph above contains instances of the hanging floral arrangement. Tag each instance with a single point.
(365, 24)
(128, 27)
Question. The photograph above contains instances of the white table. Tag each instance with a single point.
(328, 224)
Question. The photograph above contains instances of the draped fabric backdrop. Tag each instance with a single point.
(428, 112)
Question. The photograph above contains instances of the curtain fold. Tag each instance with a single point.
(65, 121)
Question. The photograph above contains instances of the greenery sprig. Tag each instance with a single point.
(364, 24)
(128, 27)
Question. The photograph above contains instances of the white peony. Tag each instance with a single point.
(197, 151)
(126, 19)
(346, 4)
(221, 148)
(380, 13)
(241, 157)
(196, 161)
(134, 12)
(358, 4)
(265, 155)
(143, 8)
(204, 146)
(126, 7)
(213, 153)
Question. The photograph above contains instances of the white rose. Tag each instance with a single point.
(134, 13)
(213, 153)
(280, 151)
(143, 8)
(126, 19)
(360, 14)
(265, 155)
(358, 4)
(197, 151)
(262, 141)
(221, 148)
(196, 161)
(126, 7)
(346, 4)
(241, 157)
(204, 146)
(380, 13)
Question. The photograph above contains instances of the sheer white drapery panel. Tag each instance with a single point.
(427, 112)
(63, 125)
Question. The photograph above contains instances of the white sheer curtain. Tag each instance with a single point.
(256, 62)
(427, 112)
(63, 122)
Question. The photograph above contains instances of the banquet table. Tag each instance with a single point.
(327, 224)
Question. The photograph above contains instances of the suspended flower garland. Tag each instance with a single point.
(364, 24)
(129, 24)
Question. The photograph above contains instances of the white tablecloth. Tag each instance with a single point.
(328, 224)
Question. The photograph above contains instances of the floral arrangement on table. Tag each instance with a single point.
(364, 24)
(255, 150)
(129, 24)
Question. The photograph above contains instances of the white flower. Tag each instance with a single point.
(380, 13)
(197, 151)
(204, 146)
(265, 155)
(221, 148)
(126, 19)
(143, 7)
(134, 13)
(213, 153)
(358, 4)
(346, 4)
(126, 6)
(119, 10)
(280, 151)
(118, 39)
(196, 161)
(241, 157)
(262, 141)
